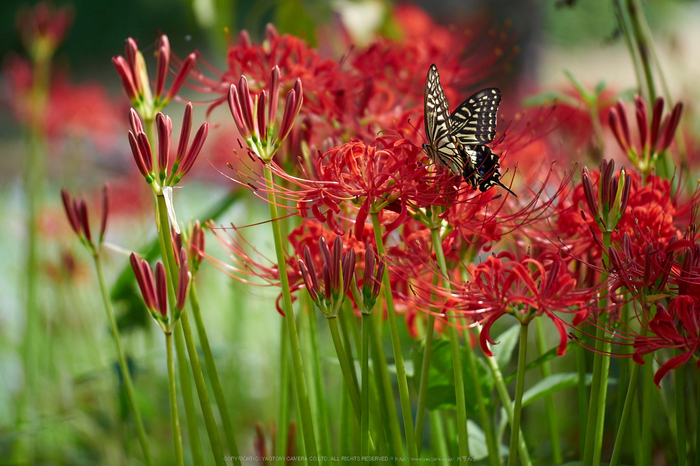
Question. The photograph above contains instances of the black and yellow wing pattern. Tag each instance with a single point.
(474, 121)
(441, 146)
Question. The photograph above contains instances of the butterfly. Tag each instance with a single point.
(456, 141)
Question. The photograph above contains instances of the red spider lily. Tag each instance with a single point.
(678, 327)
(371, 282)
(336, 276)
(154, 289)
(134, 76)
(651, 208)
(377, 88)
(646, 273)
(503, 284)
(42, 28)
(143, 155)
(256, 119)
(194, 237)
(385, 173)
(526, 288)
(613, 195)
(83, 111)
(484, 219)
(654, 136)
(77, 213)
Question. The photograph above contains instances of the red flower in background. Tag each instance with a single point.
(43, 27)
(72, 111)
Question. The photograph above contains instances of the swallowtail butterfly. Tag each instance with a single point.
(456, 142)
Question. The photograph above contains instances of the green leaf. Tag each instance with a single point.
(503, 351)
(579, 86)
(549, 385)
(550, 97)
(600, 87)
(477, 443)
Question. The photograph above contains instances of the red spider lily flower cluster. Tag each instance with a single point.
(194, 239)
(678, 328)
(646, 273)
(155, 292)
(525, 288)
(654, 138)
(336, 276)
(42, 28)
(376, 88)
(77, 213)
(386, 173)
(256, 119)
(134, 76)
(162, 174)
(613, 195)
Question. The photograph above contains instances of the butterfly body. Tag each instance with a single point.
(456, 141)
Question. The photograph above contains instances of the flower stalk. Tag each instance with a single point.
(463, 436)
(77, 214)
(396, 344)
(299, 379)
(519, 384)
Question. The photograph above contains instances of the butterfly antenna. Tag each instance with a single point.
(506, 188)
(416, 130)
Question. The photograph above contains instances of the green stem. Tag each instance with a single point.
(593, 401)
(437, 436)
(299, 379)
(350, 382)
(519, 384)
(347, 345)
(425, 369)
(626, 26)
(634, 8)
(283, 408)
(321, 411)
(34, 182)
(552, 420)
(204, 401)
(213, 374)
(187, 396)
(491, 443)
(171, 273)
(647, 387)
(599, 382)
(582, 398)
(364, 417)
(396, 345)
(172, 391)
(386, 391)
(629, 402)
(502, 391)
(346, 424)
(424, 373)
(463, 436)
(123, 366)
(679, 384)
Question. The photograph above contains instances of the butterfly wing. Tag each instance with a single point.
(474, 121)
(441, 145)
(482, 171)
